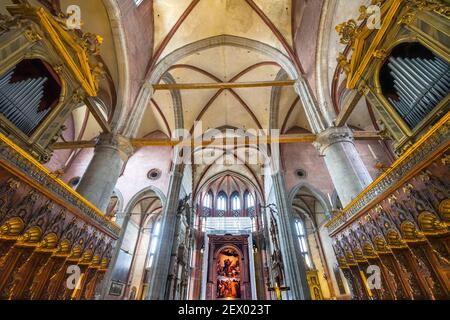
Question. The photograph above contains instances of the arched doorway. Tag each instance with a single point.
(310, 212)
(141, 223)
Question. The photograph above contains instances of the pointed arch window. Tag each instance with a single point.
(235, 204)
(249, 200)
(302, 240)
(207, 200)
(221, 203)
(249, 204)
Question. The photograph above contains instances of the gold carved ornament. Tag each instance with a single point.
(437, 6)
(356, 36)
(347, 31)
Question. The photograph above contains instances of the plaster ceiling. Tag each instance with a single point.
(149, 204)
(95, 20)
(360, 118)
(216, 17)
(306, 203)
(243, 108)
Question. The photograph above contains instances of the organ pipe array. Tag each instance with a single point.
(421, 84)
(20, 101)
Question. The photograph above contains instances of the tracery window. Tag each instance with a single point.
(207, 200)
(249, 204)
(207, 204)
(235, 204)
(221, 204)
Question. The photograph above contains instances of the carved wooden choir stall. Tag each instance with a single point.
(53, 243)
(400, 222)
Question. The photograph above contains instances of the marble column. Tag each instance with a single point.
(157, 285)
(347, 171)
(100, 178)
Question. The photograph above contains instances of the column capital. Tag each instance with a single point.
(117, 142)
(331, 136)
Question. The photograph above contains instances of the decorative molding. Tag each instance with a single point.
(74, 51)
(356, 36)
(117, 142)
(331, 136)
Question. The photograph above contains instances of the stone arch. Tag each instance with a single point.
(164, 64)
(317, 193)
(177, 102)
(224, 173)
(138, 194)
(124, 224)
(323, 45)
(275, 97)
(123, 89)
(222, 40)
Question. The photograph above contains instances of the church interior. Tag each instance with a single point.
(224, 149)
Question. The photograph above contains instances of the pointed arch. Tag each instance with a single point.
(221, 203)
(222, 40)
(235, 204)
(320, 196)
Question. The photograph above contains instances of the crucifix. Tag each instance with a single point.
(278, 290)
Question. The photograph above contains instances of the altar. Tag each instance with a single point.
(229, 260)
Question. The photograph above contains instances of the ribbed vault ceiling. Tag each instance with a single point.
(241, 108)
(181, 22)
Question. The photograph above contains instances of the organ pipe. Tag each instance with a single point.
(420, 85)
(20, 101)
